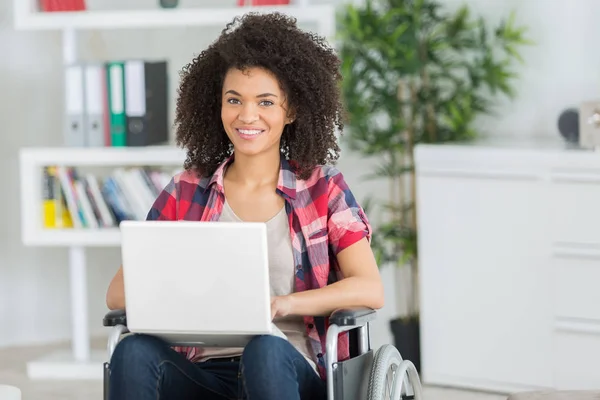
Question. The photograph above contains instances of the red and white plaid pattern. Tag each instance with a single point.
(324, 219)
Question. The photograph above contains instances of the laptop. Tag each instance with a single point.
(197, 283)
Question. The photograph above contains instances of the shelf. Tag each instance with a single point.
(105, 237)
(32, 161)
(103, 156)
(26, 18)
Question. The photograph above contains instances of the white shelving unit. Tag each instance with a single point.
(80, 363)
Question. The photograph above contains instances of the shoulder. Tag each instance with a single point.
(330, 194)
(320, 175)
(324, 177)
(188, 181)
(326, 187)
(178, 195)
(191, 177)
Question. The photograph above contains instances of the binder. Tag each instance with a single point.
(95, 105)
(146, 102)
(115, 82)
(74, 135)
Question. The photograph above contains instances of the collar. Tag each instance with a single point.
(286, 184)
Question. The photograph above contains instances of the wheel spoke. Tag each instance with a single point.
(390, 379)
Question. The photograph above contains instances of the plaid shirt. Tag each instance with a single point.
(324, 219)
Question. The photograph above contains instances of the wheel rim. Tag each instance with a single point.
(392, 378)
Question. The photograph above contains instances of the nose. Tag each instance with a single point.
(248, 114)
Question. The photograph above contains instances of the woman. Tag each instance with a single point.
(257, 113)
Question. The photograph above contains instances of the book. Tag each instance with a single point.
(62, 5)
(71, 199)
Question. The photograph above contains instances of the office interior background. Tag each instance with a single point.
(510, 251)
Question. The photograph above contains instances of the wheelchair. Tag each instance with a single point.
(366, 375)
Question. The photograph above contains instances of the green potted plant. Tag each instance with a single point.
(417, 73)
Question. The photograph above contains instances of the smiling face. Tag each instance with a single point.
(253, 110)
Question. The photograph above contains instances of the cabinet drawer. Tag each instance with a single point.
(576, 273)
(576, 360)
(574, 200)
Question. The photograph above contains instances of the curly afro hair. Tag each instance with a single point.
(307, 70)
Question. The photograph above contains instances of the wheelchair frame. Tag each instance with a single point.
(346, 380)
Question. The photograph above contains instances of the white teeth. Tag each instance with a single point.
(249, 132)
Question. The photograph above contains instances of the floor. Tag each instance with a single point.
(12, 372)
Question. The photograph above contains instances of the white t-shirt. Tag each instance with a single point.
(281, 276)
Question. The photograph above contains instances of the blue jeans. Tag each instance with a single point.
(146, 367)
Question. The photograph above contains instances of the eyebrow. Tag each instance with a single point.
(260, 95)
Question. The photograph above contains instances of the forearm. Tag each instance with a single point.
(346, 293)
(115, 298)
(115, 295)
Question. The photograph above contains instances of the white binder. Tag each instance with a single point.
(94, 105)
(75, 106)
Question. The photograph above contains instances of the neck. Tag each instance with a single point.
(257, 170)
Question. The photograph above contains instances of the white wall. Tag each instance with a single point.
(561, 69)
(34, 305)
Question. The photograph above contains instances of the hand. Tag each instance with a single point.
(281, 306)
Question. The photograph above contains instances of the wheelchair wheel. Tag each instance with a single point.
(393, 378)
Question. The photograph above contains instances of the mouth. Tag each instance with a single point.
(249, 133)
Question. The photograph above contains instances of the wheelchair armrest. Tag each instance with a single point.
(341, 317)
(115, 317)
(352, 316)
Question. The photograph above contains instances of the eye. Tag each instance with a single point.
(266, 103)
(233, 101)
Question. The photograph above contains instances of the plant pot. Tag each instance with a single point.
(407, 339)
(169, 3)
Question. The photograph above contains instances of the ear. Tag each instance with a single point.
(291, 117)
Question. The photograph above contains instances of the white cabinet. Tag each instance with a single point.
(509, 242)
